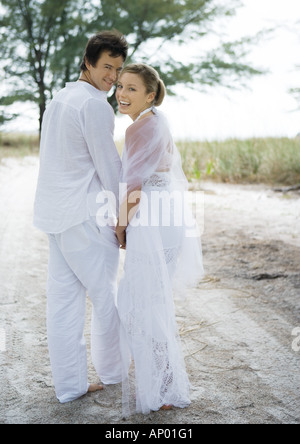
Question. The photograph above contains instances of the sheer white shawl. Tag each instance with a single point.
(152, 160)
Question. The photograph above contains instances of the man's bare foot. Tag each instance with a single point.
(166, 407)
(95, 388)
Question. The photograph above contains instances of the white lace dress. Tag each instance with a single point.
(154, 251)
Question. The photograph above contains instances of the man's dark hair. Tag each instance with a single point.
(112, 42)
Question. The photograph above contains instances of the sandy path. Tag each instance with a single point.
(236, 326)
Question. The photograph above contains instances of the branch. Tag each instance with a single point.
(17, 96)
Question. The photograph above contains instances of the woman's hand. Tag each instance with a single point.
(128, 210)
(121, 235)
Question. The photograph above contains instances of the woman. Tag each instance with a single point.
(155, 228)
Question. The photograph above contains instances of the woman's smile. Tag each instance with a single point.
(122, 103)
(132, 96)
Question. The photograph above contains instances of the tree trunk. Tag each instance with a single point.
(42, 111)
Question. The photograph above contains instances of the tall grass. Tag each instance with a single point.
(270, 160)
(18, 145)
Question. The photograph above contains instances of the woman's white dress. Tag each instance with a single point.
(163, 253)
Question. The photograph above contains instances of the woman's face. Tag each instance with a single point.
(132, 95)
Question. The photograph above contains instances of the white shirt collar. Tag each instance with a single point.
(87, 86)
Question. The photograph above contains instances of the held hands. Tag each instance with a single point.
(128, 210)
(121, 235)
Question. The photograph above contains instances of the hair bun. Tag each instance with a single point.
(161, 93)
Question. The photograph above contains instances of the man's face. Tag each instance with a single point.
(107, 71)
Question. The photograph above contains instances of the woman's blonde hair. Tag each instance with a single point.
(151, 79)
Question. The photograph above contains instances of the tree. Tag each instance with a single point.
(31, 30)
(42, 42)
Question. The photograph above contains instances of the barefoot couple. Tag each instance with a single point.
(78, 160)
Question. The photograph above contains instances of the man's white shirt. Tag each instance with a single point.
(78, 158)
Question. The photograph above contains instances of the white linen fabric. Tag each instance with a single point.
(83, 259)
(78, 158)
(159, 257)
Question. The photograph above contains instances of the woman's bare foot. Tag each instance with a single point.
(95, 388)
(166, 407)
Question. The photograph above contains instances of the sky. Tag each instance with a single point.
(264, 109)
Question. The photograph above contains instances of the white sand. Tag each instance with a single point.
(236, 330)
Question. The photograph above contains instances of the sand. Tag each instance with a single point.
(237, 326)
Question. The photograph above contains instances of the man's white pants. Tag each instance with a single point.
(83, 259)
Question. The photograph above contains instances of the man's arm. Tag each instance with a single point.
(98, 127)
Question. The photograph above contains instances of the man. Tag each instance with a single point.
(79, 160)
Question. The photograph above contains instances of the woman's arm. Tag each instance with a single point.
(127, 211)
(144, 149)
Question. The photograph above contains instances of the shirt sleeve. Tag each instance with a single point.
(98, 128)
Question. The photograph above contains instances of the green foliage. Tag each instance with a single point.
(42, 42)
(296, 93)
(271, 160)
(18, 145)
(30, 31)
(4, 117)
